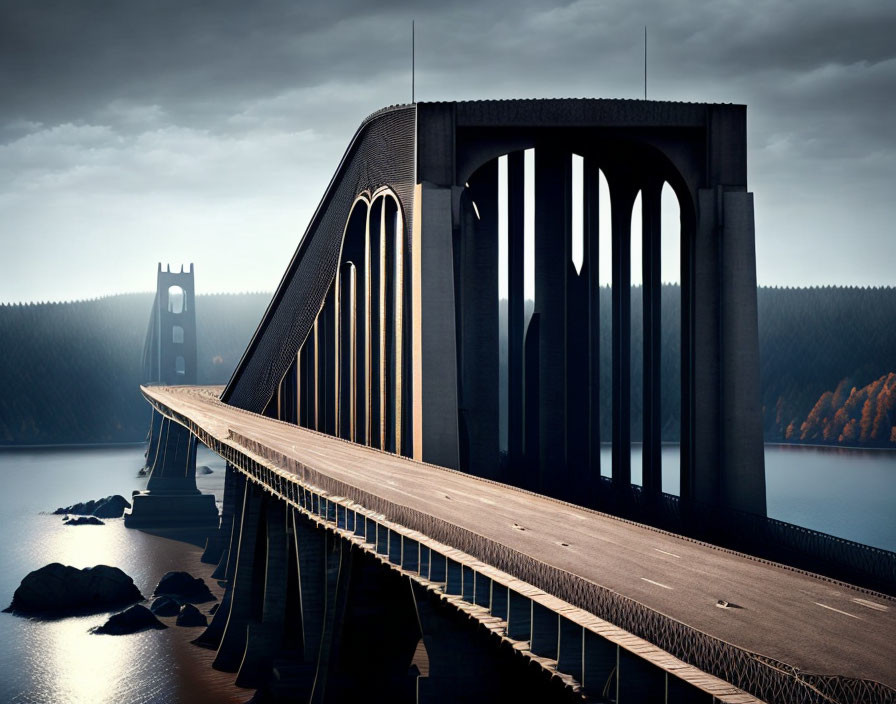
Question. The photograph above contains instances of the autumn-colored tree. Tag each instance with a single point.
(814, 424)
(849, 432)
(886, 399)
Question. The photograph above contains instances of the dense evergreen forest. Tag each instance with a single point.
(70, 371)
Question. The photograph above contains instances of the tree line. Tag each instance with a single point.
(70, 371)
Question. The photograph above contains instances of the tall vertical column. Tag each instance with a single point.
(314, 365)
(264, 636)
(375, 256)
(578, 444)
(389, 339)
(516, 311)
(439, 362)
(700, 481)
(622, 194)
(743, 482)
(347, 353)
(211, 636)
(591, 237)
(153, 443)
(552, 255)
(233, 641)
(479, 315)
(331, 388)
(651, 241)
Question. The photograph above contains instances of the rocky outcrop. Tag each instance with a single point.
(203, 469)
(191, 616)
(60, 590)
(184, 587)
(109, 507)
(165, 606)
(83, 521)
(136, 618)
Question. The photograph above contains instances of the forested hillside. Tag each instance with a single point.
(70, 371)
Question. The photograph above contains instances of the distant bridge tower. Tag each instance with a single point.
(171, 498)
(169, 355)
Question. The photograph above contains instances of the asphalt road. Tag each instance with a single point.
(801, 619)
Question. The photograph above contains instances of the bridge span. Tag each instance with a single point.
(553, 576)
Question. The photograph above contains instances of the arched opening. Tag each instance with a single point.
(636, 351)
(177, 334)
(180, 365)
(351, 370)
(670, 413)
(177, 300)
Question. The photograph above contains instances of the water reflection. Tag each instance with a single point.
(59, 661)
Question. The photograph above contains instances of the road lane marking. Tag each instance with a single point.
(668, 553)
(831, 608)
(664, 586)
(871, 605)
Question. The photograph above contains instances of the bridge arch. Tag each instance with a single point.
(545, 345)
(348, 378)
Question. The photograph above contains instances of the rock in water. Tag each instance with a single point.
(109, 507)
(136, 618)
(165, 606)
(203, 469)
(83, 521)
(184, 587)
(191, 616)
(58, 590)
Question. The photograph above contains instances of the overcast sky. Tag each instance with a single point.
(133, 132)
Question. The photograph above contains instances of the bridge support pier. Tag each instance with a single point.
(218, 544)
(171, 499)
(265, 635)
(244, 586)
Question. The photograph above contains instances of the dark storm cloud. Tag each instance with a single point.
(228, 117)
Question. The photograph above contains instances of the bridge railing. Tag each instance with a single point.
(766, 678)
(769, 538)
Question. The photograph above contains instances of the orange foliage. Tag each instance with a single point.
(849, 432)
(862, 416)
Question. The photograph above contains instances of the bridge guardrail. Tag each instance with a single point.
(769, 538)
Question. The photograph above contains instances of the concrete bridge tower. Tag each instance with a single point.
(171, 498)
(169, 356)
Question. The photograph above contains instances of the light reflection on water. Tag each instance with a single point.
(59, 661)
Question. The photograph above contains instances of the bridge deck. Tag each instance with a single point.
(819, 626)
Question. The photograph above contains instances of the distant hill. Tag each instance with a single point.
(70, 371)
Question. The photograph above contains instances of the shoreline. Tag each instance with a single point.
(74, 446)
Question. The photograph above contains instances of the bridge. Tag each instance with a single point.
(389, 530)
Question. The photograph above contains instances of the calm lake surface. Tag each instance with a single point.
(848, 493)
(58, 661)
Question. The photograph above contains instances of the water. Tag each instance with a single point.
(58, 661)
(847, 493)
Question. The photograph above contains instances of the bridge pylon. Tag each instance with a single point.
(171, 498)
